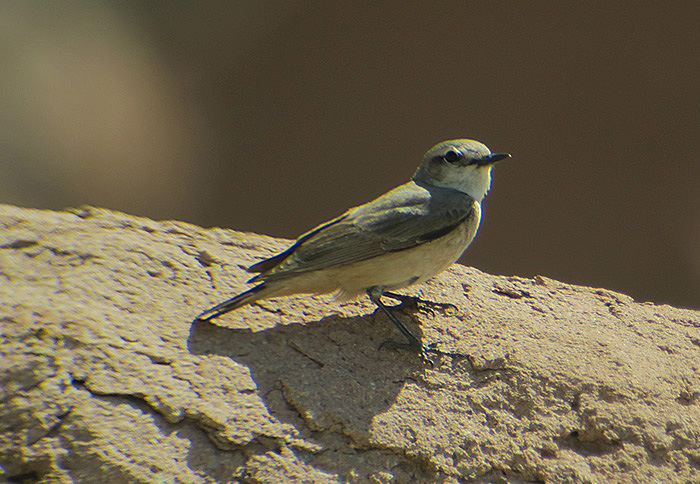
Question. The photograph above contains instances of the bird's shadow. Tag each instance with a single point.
(324, 375)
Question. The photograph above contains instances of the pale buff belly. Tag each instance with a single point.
(393, 270)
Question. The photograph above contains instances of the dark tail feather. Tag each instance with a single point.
(234, 303)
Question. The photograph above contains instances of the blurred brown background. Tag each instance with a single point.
(273, 116)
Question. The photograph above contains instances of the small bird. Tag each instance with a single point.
(404, 237)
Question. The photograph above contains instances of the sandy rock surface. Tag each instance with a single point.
(104, 377)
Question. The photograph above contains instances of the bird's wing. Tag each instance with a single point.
(401, 219)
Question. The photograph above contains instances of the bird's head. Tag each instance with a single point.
(460, 164)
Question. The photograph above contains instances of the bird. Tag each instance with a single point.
(404, 237)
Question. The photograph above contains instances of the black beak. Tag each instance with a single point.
(492, 158)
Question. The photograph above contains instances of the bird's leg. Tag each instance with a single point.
(375, 294)
(415, 301)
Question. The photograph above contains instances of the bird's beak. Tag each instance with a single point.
(492, 158)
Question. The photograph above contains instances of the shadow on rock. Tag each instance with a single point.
(328, 378)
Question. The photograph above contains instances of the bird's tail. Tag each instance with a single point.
(258, 292)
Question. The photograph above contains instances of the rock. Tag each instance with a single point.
(104, 377)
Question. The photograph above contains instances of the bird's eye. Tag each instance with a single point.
(452, 156)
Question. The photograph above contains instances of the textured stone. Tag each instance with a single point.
(104, 377)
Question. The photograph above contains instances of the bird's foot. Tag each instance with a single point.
(434, 348)
(424, 350)
(418, 303)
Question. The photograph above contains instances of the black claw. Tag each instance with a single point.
(415, 301)
(427, 359)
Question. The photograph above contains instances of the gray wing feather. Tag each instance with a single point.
(401, 219)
